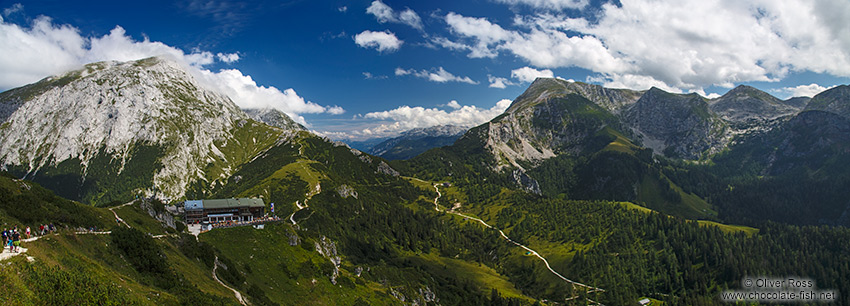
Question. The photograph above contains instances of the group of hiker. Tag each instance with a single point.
(233, 223)
(12, 238)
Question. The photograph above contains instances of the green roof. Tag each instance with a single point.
(226, 203)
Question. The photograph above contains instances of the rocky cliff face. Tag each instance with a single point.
(275, 118)
(677, 125)
(109, 118)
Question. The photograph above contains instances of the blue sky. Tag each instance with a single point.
(360, 69)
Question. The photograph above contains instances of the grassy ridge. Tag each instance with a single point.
(25, 203)
(727, 228)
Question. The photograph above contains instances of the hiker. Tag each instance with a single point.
(16, 237)
(28, 232)
(5, 236)
(51, 227)
(41, 229)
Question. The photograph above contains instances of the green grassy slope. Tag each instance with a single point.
(290, 274)
(25, 203)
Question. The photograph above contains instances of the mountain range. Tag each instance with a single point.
(629, 194)
(416, 141)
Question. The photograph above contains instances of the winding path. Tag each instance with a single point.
(307, 197)
(590, 289)
(116, 214)
(235, 292)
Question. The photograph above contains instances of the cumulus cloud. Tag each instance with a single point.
(405, 118)
(381, 41)
(243, 90)
(438, 75)
(802, 90)
(30, 54)
(548, 4)
(227, 57)
(497, 82)
(384, 13)
(687, 46)
(528, 74)
(342, 9)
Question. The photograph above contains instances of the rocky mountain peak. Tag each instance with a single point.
(834, 100)
(745, 103)
(676, 124)
(614, 100)
(108, 110)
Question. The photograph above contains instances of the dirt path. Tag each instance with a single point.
(590, 289)
(6, 254)
(235, 292)
(112, 209)
(316, 190)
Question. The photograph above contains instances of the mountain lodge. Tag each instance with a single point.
(219, 210)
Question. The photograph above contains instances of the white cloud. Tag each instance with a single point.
(688, 45)
(528, 74)
(335, 110)
(17, 7)
(246, 93)
(409, 17)
(497, 82)
(399, 71)
(369, 76)
(405, 118)
(438, 75)
(481, 31)
(549, 4)
(227, 57)
(381, 41)
(342, 9)
(802, 90)
(384, 14)
(30, 54)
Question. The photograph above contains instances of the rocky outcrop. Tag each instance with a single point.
(385, 168)
(327, 249)
(346, 191)
(526, 182)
